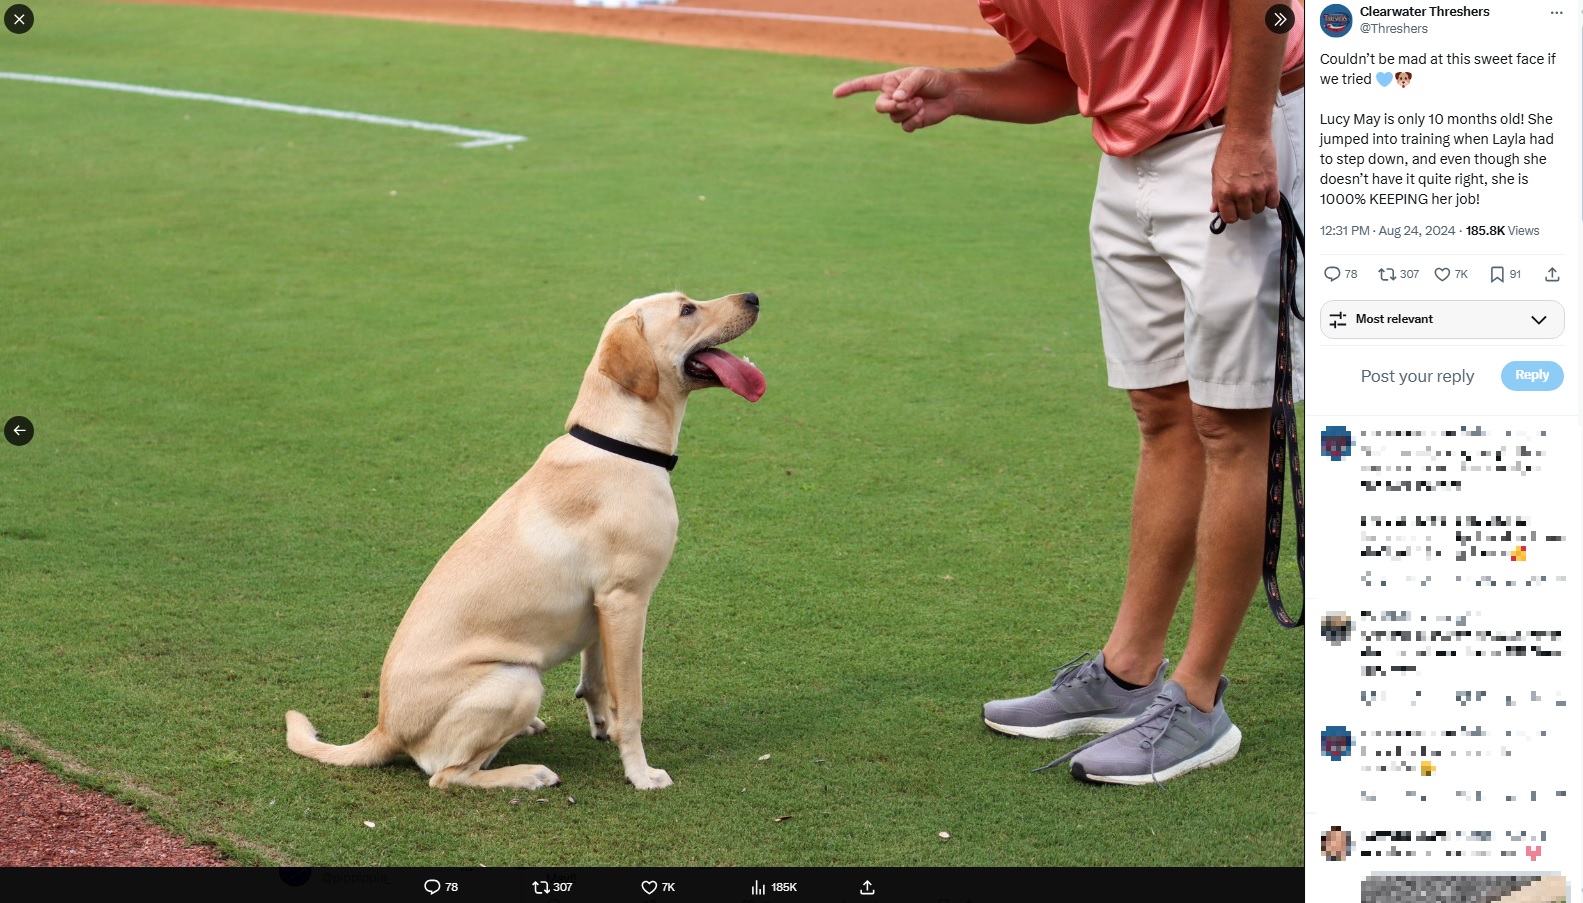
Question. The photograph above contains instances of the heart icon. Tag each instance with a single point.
(1384, 78)
(650, 886)
(1442, 273)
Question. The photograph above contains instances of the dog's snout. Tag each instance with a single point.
(751, 298)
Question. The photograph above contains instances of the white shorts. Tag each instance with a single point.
(1178, 303)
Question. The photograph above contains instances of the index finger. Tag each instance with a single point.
(858, 85)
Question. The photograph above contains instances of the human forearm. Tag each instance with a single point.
(1256, 57)
(1034, 87)
(1023, 90)
(1245, 181)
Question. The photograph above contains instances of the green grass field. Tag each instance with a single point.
(278, 364)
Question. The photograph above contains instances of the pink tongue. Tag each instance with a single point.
(733, 372)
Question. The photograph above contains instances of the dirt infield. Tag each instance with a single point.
(925, 32)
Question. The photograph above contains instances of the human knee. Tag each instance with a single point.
(1162, 412)
(1230, 433)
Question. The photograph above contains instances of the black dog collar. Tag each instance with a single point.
(625, 449)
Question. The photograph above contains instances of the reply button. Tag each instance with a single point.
(1532, 376)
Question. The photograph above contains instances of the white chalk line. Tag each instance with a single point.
(480, 137)
(787, 17)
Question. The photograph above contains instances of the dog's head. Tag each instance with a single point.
(1404, 78)
(668, 344)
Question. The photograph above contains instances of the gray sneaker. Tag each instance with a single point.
(1081, 700)
(1170, 739)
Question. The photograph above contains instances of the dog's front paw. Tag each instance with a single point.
(649, 779)
(536, 726)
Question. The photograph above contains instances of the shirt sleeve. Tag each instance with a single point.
(1015, 34)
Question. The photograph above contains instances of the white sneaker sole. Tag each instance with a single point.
(1223, 750)
(1062, 729)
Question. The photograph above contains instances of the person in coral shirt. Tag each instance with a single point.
(1197, 106)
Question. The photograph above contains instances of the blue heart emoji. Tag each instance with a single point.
(1384, 78)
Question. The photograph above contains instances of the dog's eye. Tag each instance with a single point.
(689, 309)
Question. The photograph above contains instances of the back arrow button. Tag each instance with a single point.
(19, 430)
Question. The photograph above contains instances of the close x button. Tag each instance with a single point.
(18, 19)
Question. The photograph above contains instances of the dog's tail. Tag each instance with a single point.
(375, 749)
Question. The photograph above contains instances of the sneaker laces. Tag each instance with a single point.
(1164, 708)
(1152, 743)
(1070, 670)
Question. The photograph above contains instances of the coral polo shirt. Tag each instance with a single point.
(1144, 71)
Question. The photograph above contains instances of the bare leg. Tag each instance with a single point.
(1166, 501)
(1230, 543)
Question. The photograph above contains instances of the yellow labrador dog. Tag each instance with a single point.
(563, 563)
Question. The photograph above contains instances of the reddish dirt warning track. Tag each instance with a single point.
(45, 821)
(923, 32)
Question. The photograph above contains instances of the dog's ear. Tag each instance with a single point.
(625, 358)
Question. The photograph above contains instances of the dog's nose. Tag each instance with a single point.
(751, 298)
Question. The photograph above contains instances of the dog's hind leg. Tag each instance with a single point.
(592, 691)
(521, 777)
(503, 705)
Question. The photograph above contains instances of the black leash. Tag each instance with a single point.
(624, 449)
(1283, 422)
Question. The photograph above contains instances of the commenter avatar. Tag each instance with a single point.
(1335, 844)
